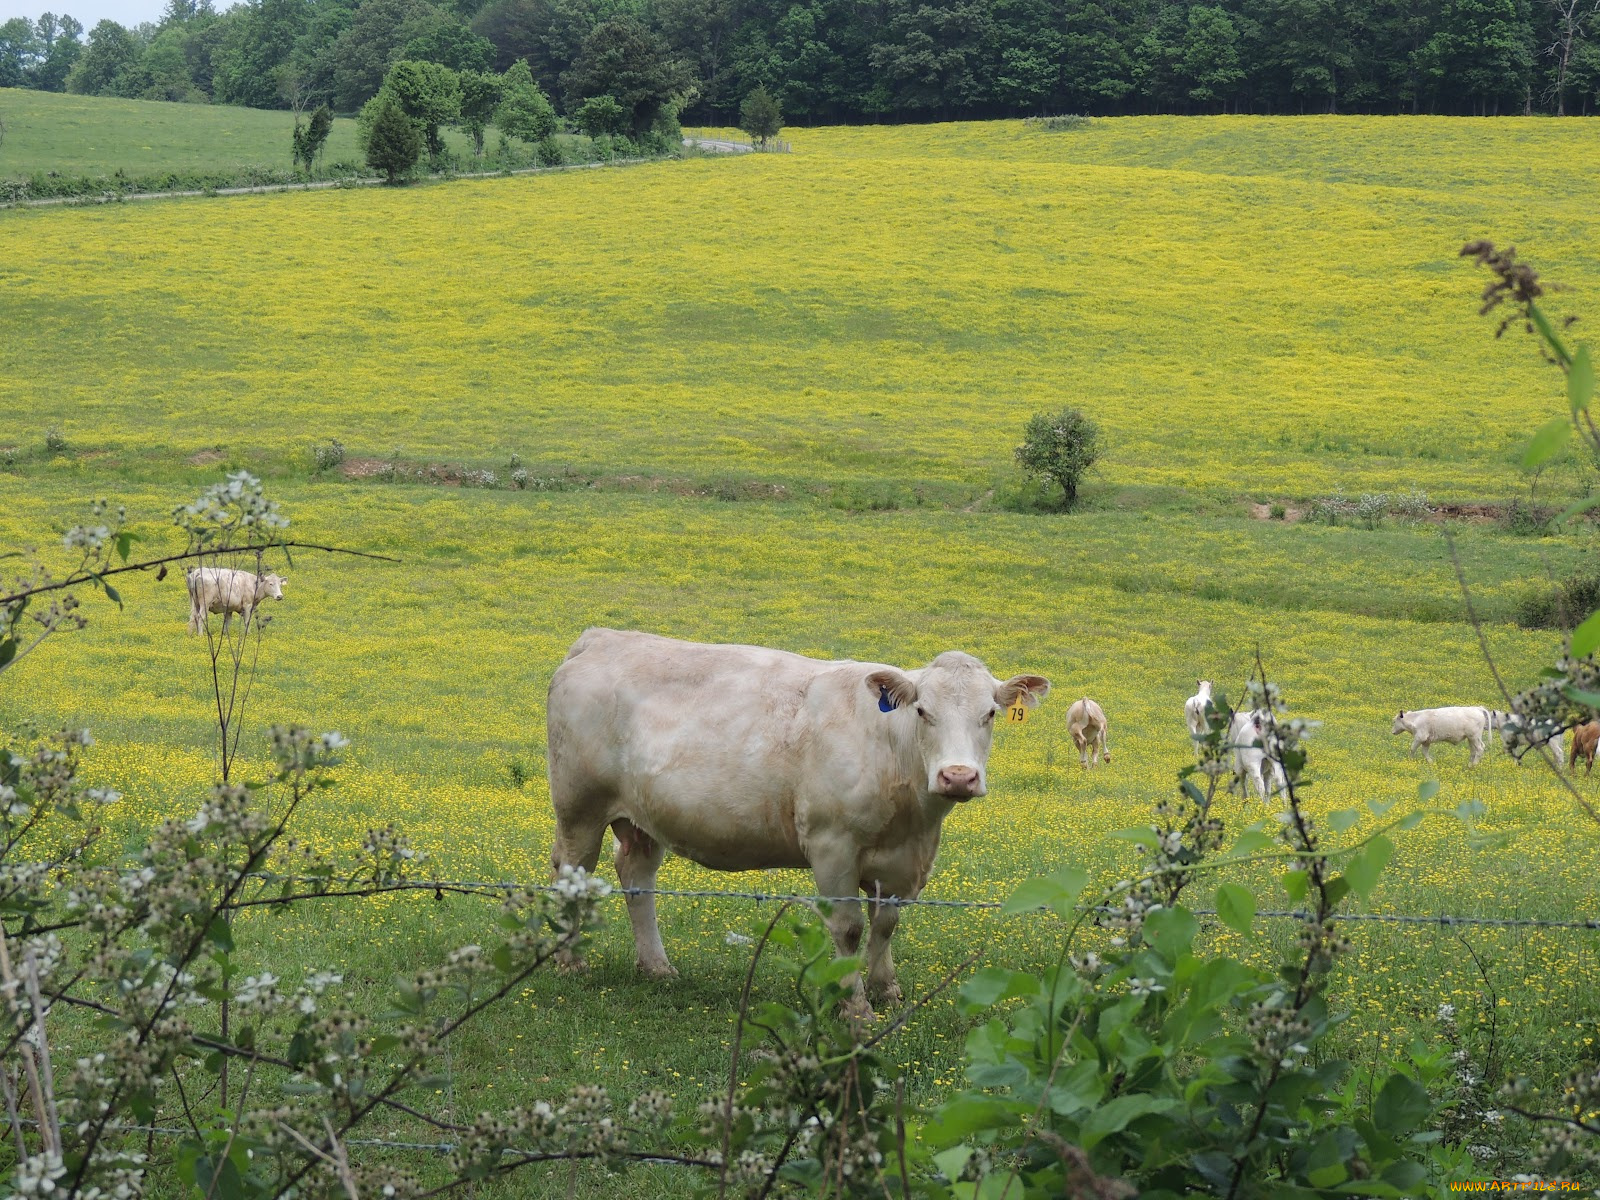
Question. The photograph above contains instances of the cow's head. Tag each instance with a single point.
(1202, 687)
(953, 703)
(1400, 723)
(270, 587)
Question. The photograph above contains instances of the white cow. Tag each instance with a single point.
(1086, 722)
(1247, 734)
(744, 758)
(1457, 724)
(226, 591)
(1194, 710)
(1514, 735)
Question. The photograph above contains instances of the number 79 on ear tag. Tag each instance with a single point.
(1017, 714)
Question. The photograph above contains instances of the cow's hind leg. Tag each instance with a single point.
(578, 841)
(638, 858)
(881, 982)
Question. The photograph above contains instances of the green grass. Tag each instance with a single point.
(96, 135)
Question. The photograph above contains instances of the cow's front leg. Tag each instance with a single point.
(881, 982)
(838, 877)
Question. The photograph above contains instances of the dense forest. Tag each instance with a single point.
(849, 60)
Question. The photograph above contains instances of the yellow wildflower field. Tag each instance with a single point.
(884, 304)
(1249, 309)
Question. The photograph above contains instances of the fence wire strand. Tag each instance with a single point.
(489, 887)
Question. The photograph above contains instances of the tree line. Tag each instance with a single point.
(852, 60)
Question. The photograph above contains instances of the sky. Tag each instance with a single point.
(89, 12)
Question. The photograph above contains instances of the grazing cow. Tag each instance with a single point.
(1247, 733)
(1429, 726)
(1514, 735)
(1086, 722)
(1194, 710)
(226, 591)
(744, 758)
(1585, 741)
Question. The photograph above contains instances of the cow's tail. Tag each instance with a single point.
(1572, 751)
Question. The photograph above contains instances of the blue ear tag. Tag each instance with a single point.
(884, 703)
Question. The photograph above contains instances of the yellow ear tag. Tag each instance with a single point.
(1017, 714)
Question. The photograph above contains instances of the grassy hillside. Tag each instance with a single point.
(95, 135)
(1250, 309)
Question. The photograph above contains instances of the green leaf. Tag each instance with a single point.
(1338, 888)
(953, 1161)
(1586, 637)
(1170, 931)
(1113, 1116)
(1426, 790)
(112, 594)
(1343, 819)
(993, 984)
(1412, 820)
(1295, 883)
(8, 650)
(1549, 441)
(1141, 834)
(1236, 907)
(969, 1114)
(1363, 870)
(1057, 891)
(1401, 1106)
(1579, 696)
(219, 934)
(1251, 841)
(1580, 380)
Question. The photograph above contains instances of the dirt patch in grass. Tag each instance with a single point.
(205, 458)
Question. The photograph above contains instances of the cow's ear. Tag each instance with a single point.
(894, 687)
(1030, 689)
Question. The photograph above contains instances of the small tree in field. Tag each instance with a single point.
(1059, 447)
(480, 96)
(601, 116)
(525, 111)
(760, 116)
(310, 138)
(393, 143)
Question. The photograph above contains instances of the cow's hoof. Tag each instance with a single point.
(570, 964)
(889, 995)
(858, 1011)
(659, 970)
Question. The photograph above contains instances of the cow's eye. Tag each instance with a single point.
(993, 712)
(922, 712)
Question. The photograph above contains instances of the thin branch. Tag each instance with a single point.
(738, 1038)
(78, 578)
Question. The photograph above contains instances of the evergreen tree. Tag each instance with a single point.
(760, 116)
(393, 144)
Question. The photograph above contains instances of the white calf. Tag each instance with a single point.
(1194, 709)
(1086, 722)
(1454, 725)
(1247, 734)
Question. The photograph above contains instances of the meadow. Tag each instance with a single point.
(855, 333)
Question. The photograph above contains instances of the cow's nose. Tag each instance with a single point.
(958, 781)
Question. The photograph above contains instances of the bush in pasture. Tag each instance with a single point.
(1372, 508)
(525, 112)
(1525, 518)
(760, 116)
(392, 144)
(550, 152)
(1060, 447)
(55, 442)
(1562, 605)
(1411, 505)
(329, 456)
(1330, 510)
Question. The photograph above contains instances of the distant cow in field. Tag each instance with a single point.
(1585, 741)
(744, 758)
(1454, 725)
(1515, 736)
(1194, 710)
(1252, 765)
(1086, 722)
(226, 591)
